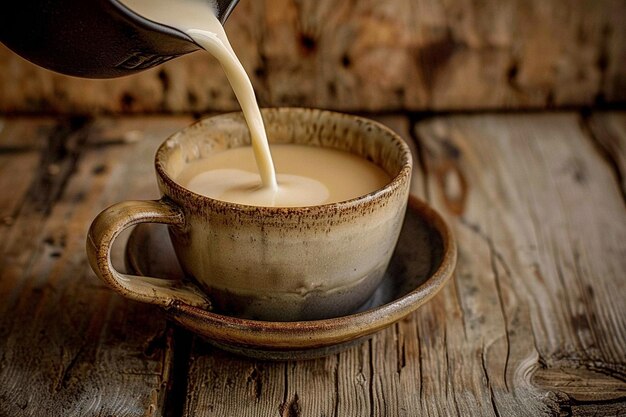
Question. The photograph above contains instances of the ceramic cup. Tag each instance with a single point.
(266, 263)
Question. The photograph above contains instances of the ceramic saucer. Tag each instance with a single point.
(423, 261)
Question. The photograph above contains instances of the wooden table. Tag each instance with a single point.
(534, 322)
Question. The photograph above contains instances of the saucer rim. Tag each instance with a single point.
(316, 334)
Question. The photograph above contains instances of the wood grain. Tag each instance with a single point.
(20, 145)
(69, 345)
(370, 55)
(519, 331)
(608, 129)
(21, 142)
(533, 323)
(541, 227)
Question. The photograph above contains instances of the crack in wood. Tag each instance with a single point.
(17, 150)
(460, 306)
(93, 332)
(450, 372)
(414, 120)
(285, 408)
(58, 162)
(156, 343)
(255, 382)
(604, 150)
(176, 386)
(487, 239)
(290, 407)
(489, 386)
(495, 257)
(586, 320)
(65, 373)
(421, 363)
(494, 268)
(336, 377)
(400, 349)
(371, 381)
(556, 255)
(570, 406)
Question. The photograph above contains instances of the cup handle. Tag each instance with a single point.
(102, 233)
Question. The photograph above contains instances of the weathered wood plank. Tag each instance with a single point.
(46, 166)
(533, 324)
(541, 227)
(219, 385)
(608, 129)
(20, 144)
(371, 55)
(69, 345)
(23, 134)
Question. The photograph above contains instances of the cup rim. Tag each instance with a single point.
(176, 189)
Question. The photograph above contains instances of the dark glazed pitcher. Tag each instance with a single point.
(92, 38)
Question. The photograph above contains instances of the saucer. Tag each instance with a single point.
(422, 262)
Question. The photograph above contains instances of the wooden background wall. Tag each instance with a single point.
(370, 55)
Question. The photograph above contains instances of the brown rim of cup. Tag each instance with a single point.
(395, 183)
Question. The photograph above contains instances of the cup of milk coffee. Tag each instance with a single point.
(314, 248)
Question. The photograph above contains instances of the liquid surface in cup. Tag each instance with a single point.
(197, 18)
(307, 175)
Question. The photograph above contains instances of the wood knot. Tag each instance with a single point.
(290, 408)
(453, 185)
(308, 44)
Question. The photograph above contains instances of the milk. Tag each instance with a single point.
(197, 18)
(307, 176)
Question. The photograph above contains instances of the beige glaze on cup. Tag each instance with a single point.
(267, 263)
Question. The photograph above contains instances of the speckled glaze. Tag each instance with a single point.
(267, 263)
(287, 263)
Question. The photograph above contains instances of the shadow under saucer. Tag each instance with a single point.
(423, 261)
